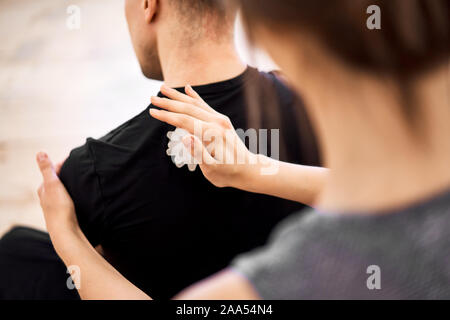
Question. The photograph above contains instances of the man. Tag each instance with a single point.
(150, 218)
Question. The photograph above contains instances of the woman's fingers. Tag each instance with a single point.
(176, 95)
(193, 99)
(192, 93)
(190, 97)
(180, 120)
(183, 108)
(198, 151)
(199, 100)
(58, 167)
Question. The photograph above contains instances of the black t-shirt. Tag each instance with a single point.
(162, 227)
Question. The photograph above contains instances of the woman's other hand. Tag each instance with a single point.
(58, 207)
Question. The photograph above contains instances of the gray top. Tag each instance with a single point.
(403, 254)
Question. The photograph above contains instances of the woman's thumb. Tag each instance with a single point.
(45, 166)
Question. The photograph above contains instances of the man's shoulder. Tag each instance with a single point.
(120, 135)
(279, 83)
(270, 88)
(141, 132)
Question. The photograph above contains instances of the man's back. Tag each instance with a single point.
(162, 227)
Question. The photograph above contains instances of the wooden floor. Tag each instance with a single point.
(58, 86)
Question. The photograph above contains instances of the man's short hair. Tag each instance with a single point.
(217, 13)
(199, 7)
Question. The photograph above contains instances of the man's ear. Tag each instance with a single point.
(150, 8)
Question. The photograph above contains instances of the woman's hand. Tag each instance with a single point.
(223, 157)
(58, 207)
(213, 143)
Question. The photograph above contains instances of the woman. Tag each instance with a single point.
(379, 102)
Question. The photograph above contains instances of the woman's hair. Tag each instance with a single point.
(414, 34)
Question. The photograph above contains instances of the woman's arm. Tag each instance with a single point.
(98, 279)
(223, 157)
(291, 181)
(224, 285)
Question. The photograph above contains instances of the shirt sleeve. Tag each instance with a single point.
(306, 258)
(269, 268)
(81, 180)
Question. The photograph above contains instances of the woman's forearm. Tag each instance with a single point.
(284, 180)
(98, 279)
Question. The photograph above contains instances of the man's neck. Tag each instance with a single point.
(203, 63)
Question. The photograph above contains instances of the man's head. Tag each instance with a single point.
(184, 22)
